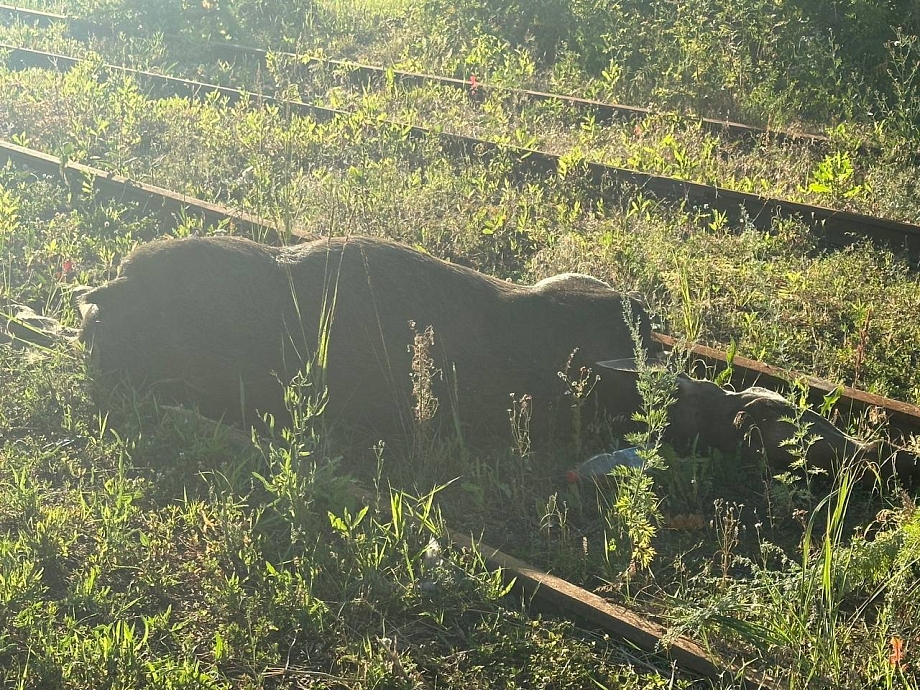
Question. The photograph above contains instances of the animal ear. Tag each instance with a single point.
(769, 409)
(94, 296)
(103, 295)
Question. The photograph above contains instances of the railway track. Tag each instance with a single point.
(603, 112)
(839, 228)
(538, 585)
(170, 207)
(904, 418)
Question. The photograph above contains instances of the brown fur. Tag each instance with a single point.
(220, 321)
(762, 420)
(221, 315)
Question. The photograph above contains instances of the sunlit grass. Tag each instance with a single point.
(142, 545)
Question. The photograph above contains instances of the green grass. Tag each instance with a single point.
(141, 547)
(155, 556)
(760, 60)
(836, 175)
(777, 294)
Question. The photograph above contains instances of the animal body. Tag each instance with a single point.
(225, 321)
(227, 318)
(758, 418)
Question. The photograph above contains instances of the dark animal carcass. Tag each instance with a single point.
(759, 418)
(220, 321)
(226, 318)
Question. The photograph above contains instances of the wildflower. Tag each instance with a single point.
(67, 269)
(896, 658)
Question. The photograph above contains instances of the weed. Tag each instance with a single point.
(801, 440)
(726, 524)
(423, 374)
(634, 513)
(578, 387)
(834, 175)
(554, 520)
(901, 107)
(519, 415)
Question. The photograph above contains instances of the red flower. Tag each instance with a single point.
(896, 658)
(66, 270)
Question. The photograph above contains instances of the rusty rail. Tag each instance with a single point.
(615, 619)
(545, 588)
(605, 182)
(171, 207)
(602, 111)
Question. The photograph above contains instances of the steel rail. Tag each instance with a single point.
(536, 583)
(172, 206)
(605, 182)
(602, 111)
(555, 593)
